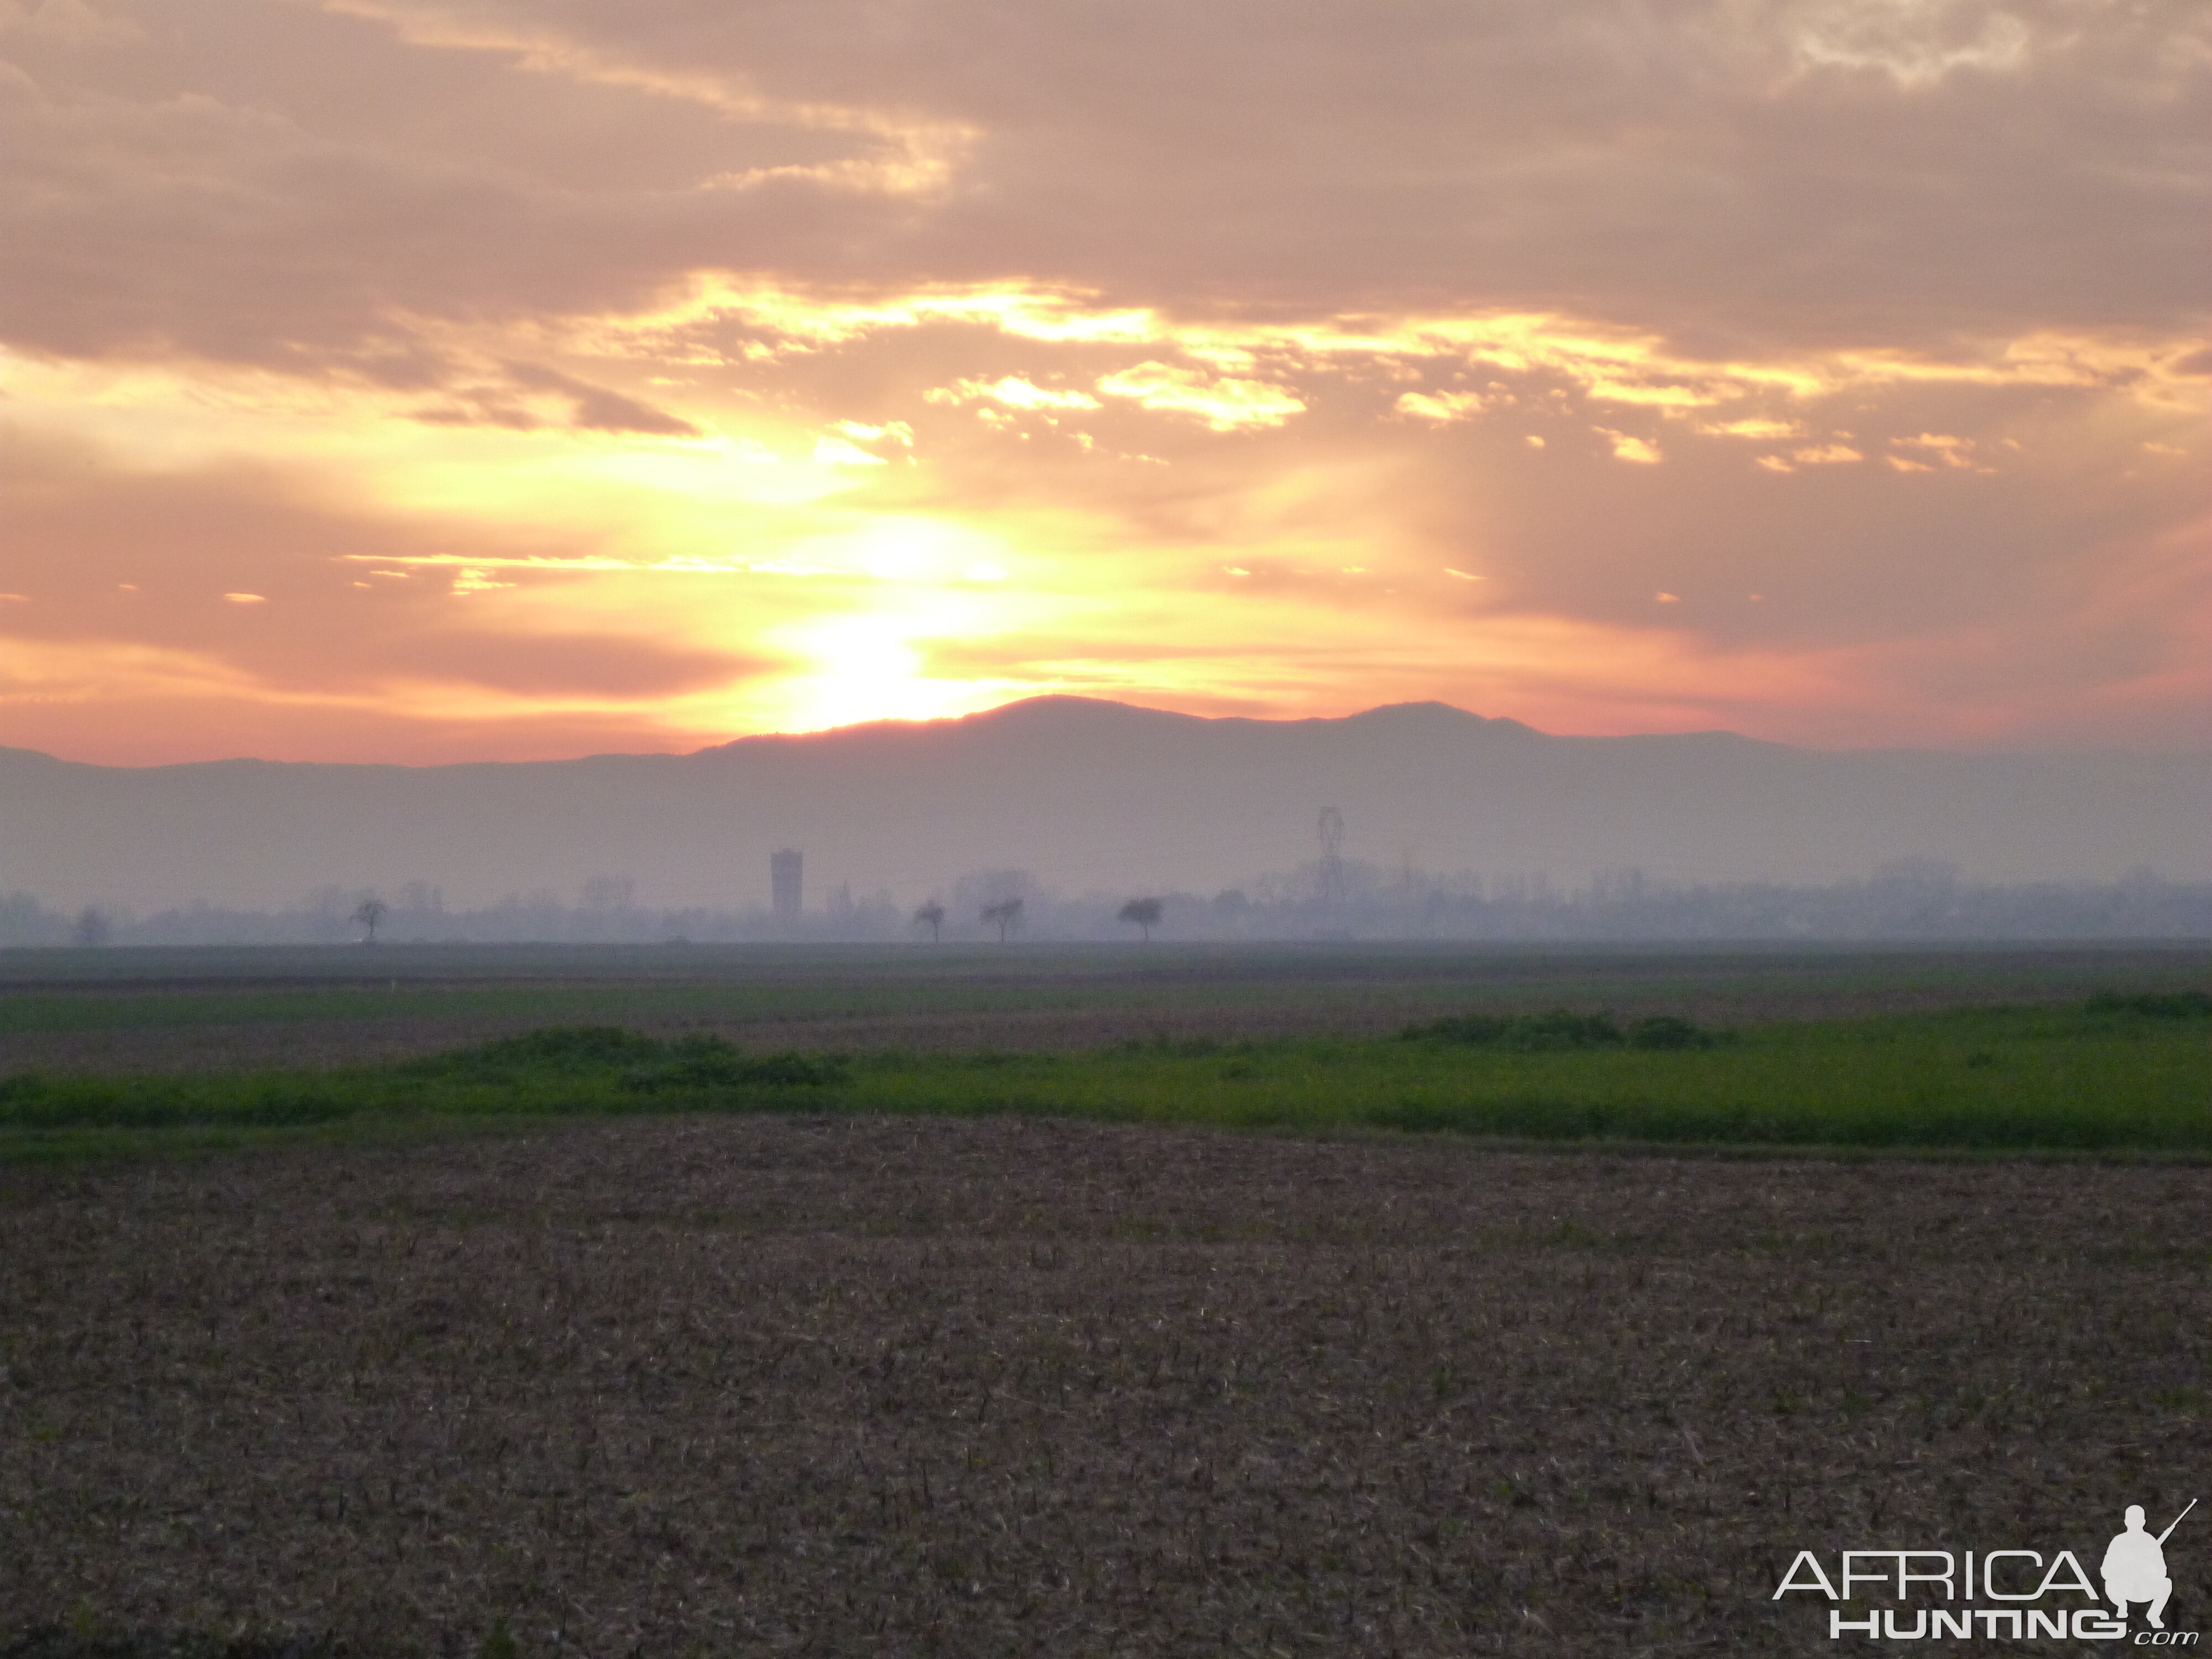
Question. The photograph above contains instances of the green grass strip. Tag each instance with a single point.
(2118, 1074)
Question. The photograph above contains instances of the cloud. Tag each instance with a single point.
(369, 170)
(70, 23)
(1013, 391)
(1946, 448)
(600, 665)
(898, 432)
(1626, 448)
(594, 408)
(1758, 427)
(1917, 44)
(526, 396)
(239, 583)
(602, 323)
(1531, 144)
(1440, 409)
(1225, 404)
(839, 452)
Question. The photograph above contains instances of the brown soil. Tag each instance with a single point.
(754, 1386)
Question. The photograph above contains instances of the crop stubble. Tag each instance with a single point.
(755, 1385)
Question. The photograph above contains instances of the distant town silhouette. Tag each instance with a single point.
(1447, 825)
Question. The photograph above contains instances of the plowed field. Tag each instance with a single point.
(755, 1385)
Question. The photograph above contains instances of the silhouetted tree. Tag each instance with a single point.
(368, 913)
(932, 916)
(91, 927)
(1143, 913)
(601, 893)
(1005, 913)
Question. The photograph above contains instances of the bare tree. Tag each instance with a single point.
(1143, 913)
(932, 916)
(1005, 913)
(91, 927)
(368, 913)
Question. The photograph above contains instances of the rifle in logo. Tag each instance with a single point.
(2134, 1569)
(2135, 1565)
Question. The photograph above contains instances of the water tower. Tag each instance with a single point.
(785, 879)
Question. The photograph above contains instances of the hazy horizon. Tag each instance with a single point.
(1087, 795)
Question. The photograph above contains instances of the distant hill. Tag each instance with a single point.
(1089, 794)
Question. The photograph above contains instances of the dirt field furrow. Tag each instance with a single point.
(773, 1385)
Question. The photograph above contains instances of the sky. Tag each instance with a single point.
(425, 380)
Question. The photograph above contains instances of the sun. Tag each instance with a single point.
(912, 582)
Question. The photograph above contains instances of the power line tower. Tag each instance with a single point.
(1330, 829)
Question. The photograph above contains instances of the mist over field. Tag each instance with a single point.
(1451, 824)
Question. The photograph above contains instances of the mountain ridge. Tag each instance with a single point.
(1087, 793)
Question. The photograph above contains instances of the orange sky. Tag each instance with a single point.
(400, 379)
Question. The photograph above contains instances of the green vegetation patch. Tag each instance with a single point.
(559, 1071)
(644, 1064)
(2120, 1072)
(1562, 1030)
(2156, 1004)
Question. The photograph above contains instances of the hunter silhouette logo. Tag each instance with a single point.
(2135, 1567)
(2027, 1589)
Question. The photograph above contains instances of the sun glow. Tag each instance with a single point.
(874, 666)
(476, 380)
(739, 563)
